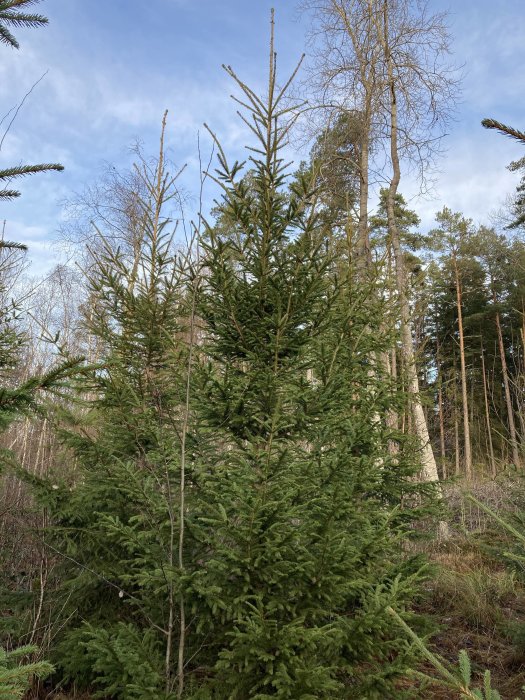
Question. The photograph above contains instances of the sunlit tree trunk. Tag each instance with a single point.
(487, 414)
(464, 390)
(516, 458)
(429, 471)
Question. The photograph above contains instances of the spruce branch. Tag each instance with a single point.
(11, 245)
(21, 171)
(459, 678)
(9, 194)
(6, 37)
(10, 16)
(503, 129)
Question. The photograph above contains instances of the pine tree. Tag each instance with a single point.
(454, 238)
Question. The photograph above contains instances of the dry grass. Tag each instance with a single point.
(498, 495)
(469, 591)
(473, 599)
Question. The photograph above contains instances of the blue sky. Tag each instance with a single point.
(115, 66)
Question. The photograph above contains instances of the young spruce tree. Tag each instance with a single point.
(295, 493)
(115, 516)
(232, 530)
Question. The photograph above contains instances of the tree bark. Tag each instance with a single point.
(464, 391)
(429, 471)
(487, 415)
(442, 433)
(516, 458)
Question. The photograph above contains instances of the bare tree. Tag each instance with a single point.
(388, 61)
(345, 77)
(415, 102)
(113, 204)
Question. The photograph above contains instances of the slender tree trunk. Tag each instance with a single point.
(442, 445)
(443, 453)
(25, 448)
(393, 363)
(464, 391)
(521, 380)
(393, 414)
(363, 253)
(456, 444)
(516, 458)
(487, 415)
(456, 425)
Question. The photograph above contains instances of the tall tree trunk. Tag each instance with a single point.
(429, 471)
(516, 458)
(442, 432)
(392, 418)
(487, 414)
(464, 391)
(442, 446)
(363, 252)
(457, 459)
(456, 443)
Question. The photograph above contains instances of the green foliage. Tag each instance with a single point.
(457, 679)
(11, 17)
(121, 659)
(234, 521)
(16, 673)
(292, 510)
(115, 519)
(406, 219)
(465, 674)
(332, 169)
(286, 552)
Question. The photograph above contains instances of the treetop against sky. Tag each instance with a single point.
(111, 75)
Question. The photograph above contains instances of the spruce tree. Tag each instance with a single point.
(115, 517)
(16, 673)
(232, 528)
(295, 490)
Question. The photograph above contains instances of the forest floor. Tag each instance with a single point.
(476, 602)
(474, 599)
